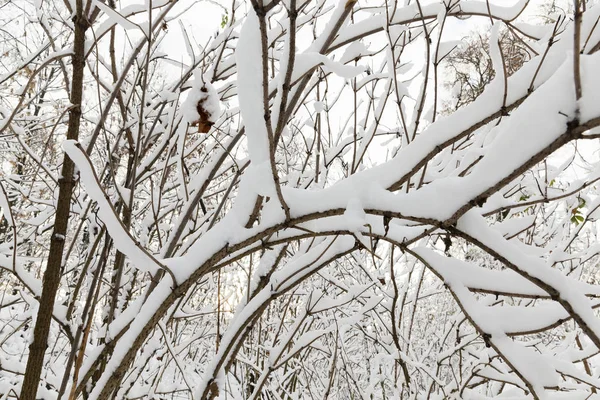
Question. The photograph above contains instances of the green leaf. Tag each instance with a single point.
(224, 20)
(577, 219)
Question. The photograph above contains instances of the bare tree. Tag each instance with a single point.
(294, 213)
(470, 69)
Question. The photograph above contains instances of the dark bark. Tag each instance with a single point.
(66, 183)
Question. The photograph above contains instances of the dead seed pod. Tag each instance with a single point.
(203, 123)
(202, 106)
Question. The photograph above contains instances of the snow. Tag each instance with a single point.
(5, 207)
(115, 16)
(249, 81)
(513, 226)
(537, 123)
(204, 93)
(505, 303)
(145, 313)
(495, 52)
(355, 50)
(588, 105)
(498, 322)
(354, 216)
(532, 268)
(308, 60)
(122, 239)
(479, 278)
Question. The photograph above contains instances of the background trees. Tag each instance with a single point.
(470, 67)
(295, 212)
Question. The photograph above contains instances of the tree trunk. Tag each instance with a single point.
(52, 274)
